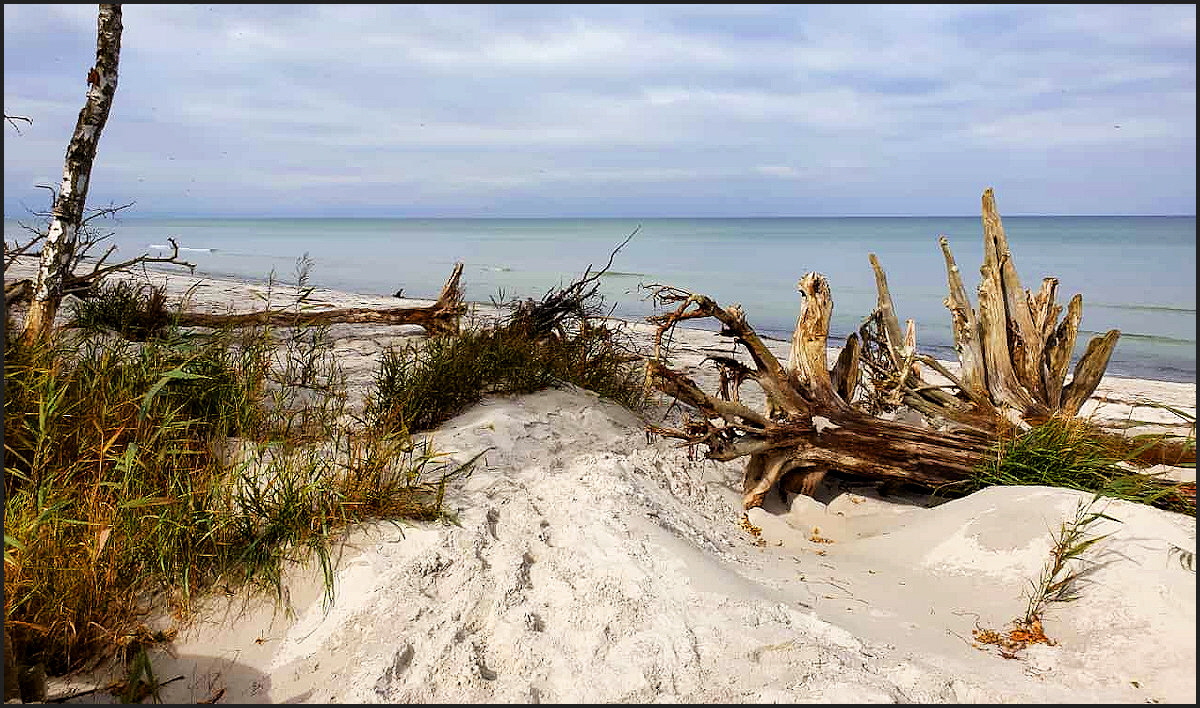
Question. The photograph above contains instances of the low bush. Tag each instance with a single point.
(422, 385)
(133, 310)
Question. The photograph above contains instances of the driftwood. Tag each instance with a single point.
(1013, 354)
(568, 310)
(442, 317)
(83, 285)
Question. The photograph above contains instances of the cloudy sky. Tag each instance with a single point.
(614, 110)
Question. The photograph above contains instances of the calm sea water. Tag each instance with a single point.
(1136, 273)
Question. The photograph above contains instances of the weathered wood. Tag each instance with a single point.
(442, 317)
(808, 357)
(1045, 312)
(1088, 371)
(817, 435)
(772, 375)
(1004, 388)
(1059, 348)
(1025, 348)
(1013, 357)
(845, 373)
(887, 313)
(965, 326)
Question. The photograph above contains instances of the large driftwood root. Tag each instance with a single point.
(1013, 353)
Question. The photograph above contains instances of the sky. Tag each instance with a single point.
(613, 110)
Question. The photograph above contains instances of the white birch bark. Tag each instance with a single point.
(67, 213)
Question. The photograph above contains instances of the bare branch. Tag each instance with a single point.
(173, 259)
(12, 120)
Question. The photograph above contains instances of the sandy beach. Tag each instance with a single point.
(592, 563)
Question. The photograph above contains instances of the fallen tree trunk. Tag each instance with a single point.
(442, 317)
(1013, 359)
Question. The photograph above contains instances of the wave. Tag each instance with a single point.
(1145, 308)
(1156, 338)
(623, 274)
(164, 246)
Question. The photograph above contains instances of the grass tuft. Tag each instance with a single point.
(1071, 453)
(133, 310)
(563, 338)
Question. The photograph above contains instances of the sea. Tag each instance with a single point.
(1136, 274)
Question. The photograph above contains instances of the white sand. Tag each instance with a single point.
(591, 564)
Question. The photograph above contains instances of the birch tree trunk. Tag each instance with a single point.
(67, 213)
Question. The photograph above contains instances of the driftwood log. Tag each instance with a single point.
(442, 317)
(1013, 354)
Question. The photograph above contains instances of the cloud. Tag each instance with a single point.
(260, 107)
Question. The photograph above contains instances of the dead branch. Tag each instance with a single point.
(572, 307)
(440, 318)
(12, 120)
(83, 285)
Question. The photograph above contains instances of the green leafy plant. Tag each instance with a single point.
(1058, 582)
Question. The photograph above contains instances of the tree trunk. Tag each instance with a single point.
(1013, 358)
(440, 318)
(67, 213)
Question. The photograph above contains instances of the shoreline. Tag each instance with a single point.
(1148, 365)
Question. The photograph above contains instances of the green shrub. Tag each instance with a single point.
(420, 386)
(135, 311)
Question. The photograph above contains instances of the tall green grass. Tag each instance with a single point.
(139, 474)
(1072, 453)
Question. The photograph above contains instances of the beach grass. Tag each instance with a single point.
(133, 310)
(420, 386)
(1074, 454)
(140, 474)
(423, 384)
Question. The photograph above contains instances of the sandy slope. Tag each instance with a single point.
(591, 564)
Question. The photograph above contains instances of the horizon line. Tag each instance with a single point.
(614, 218)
